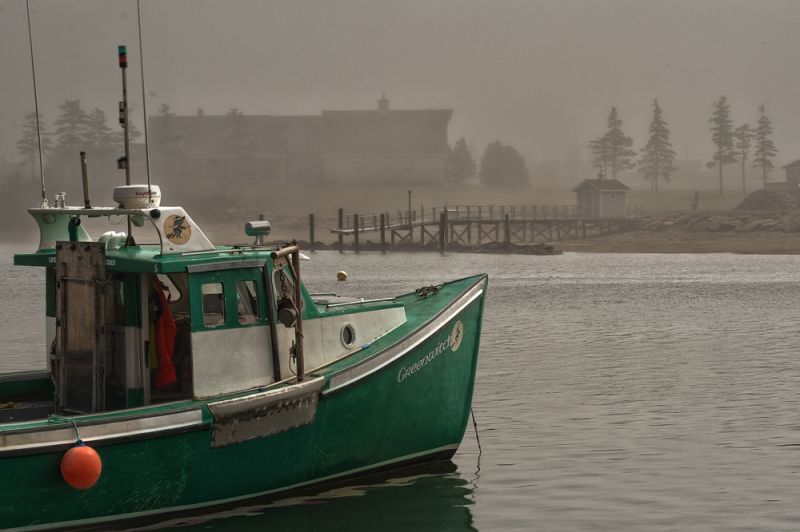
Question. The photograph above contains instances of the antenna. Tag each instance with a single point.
(144, 104)
(36, 106)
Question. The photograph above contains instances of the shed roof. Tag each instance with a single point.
(795, 164)
(604, 185)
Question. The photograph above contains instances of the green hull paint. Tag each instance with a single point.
(413, 406)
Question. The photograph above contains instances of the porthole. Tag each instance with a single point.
(348, 335)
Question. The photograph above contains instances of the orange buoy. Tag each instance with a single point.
(81, 466)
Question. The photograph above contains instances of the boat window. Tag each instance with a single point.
(247, 302)
(213, 304)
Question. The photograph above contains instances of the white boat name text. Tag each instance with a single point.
(453, 341)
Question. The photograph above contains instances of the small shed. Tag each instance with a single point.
(791, 185)
(600, 198)
(793, 172)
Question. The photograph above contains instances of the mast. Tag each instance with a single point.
(144, 104)
(36, 106)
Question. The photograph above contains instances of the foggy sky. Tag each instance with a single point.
(540, 75)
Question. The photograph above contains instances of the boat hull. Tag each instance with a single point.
(408, 402)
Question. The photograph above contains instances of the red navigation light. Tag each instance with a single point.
(123, 56)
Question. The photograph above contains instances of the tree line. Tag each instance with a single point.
(500, 165)
(612, 152)
(74, 130)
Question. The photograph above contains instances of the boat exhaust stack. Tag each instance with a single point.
(85, 175)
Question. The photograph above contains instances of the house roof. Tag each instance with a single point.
(604, 185)
(201, 136)
(395, 132)
(794, 164)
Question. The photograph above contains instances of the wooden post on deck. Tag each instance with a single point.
(506, 231)
(311, 231)
(341, 226)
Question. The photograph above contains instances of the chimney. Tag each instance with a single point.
(383, 106)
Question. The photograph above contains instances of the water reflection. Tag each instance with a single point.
(431, 497)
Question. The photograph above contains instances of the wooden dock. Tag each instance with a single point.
(470, 226)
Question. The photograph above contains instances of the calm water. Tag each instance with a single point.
(614, 392)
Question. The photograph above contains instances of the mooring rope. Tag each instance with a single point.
(56, 418)
(475, 427)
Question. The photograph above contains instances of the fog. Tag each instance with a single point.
(540, 75)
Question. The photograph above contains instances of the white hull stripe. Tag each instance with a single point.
(32, 440)
(351, 472)
(350, 375)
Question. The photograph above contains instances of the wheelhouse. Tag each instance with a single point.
(134, 325)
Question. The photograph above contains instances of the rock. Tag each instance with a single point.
(769, 201)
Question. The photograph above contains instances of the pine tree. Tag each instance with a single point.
(600, 153)
(239, 138)
(168, 136)
(764, 147)
(28, 143)
(743, 138)
(117, 138)
(460, 165)
(98, 134)
(71, 126)
(722, 136)
(613, 150)
(657, 156)
(504, 166)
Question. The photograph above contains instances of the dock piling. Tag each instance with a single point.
(341, 227)
(311, 231)
(355, 233)
(383, 232)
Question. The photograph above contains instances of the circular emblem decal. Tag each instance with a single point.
(456, 336)
(177, 230)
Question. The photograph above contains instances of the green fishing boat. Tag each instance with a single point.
(186, 375)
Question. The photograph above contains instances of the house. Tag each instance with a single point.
(600, 198)
(382, 145)
(792, 183)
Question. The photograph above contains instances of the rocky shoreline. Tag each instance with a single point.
(725, 222)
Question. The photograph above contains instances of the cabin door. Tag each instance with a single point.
(287, 312)
(80, 326)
